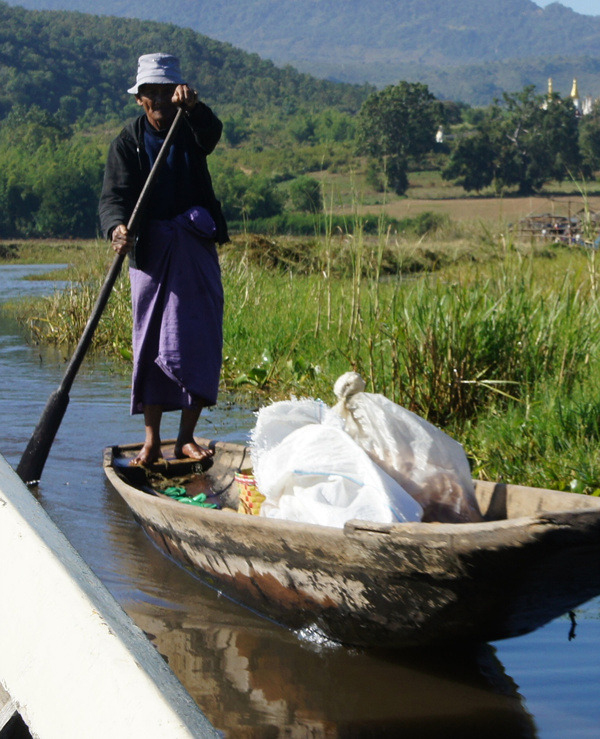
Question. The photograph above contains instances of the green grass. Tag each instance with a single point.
(506, 362)
(49, 251)
(493, 340)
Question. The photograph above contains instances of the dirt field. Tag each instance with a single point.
(500, 210)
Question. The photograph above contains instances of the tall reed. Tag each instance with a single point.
(502, 354)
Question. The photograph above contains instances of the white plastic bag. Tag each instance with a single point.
(425, 461)
(274, 422)
(310, 470)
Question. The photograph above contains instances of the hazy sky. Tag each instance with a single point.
(586, 7)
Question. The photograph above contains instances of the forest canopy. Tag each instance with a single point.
(81, 65)
(64, 95)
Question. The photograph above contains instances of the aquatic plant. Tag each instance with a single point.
(500, 347)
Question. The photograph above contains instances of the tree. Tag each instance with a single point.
(472, 163)
(28, 129)
(68, 206)
(396, 125)
(524, 142)
(589, 141)
(302, 128)
(50, 179)
(235, 129)
(334, 125)
(538, 141)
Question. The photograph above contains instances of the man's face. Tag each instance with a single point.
(157, 104)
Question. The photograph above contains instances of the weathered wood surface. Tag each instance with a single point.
(393, 585)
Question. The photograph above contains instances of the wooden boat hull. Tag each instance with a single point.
(396, 585)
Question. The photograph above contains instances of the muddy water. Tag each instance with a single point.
(250, 677)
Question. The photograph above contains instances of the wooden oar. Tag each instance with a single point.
(35, 455)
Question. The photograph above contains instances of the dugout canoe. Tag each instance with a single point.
(533, 558)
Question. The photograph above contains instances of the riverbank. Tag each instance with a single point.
(491, 338)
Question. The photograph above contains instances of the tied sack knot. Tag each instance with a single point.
(348, 384)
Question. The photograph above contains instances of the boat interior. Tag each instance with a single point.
(497, 501)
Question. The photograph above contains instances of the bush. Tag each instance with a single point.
(306, 195)
(304, 224)
(426, 222)
(246, 196)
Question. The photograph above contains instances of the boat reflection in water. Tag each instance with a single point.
(252, 678)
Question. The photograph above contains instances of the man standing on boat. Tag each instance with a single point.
(176, 290)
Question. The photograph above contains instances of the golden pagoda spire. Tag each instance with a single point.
(575, 90)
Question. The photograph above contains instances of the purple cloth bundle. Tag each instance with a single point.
(177, 301)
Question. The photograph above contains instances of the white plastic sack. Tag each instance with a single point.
(274, 422)
(425, 461)
(315, 473)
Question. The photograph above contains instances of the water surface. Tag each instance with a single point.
(251, 677)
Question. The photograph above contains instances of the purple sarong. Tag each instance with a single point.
(177, 301)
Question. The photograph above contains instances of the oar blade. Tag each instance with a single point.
(35, 455)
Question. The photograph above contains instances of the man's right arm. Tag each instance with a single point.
(119, 190)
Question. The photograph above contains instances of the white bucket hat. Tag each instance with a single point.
(157, 69)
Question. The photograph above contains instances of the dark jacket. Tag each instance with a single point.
(128, 166)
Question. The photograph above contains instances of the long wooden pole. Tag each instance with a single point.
(35, 455)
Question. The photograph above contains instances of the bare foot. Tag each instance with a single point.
(192, 450)
(147, 455)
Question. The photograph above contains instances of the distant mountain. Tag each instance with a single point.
(380, 41)
(480, 84)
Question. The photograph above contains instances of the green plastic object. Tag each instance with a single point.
(178, 493)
